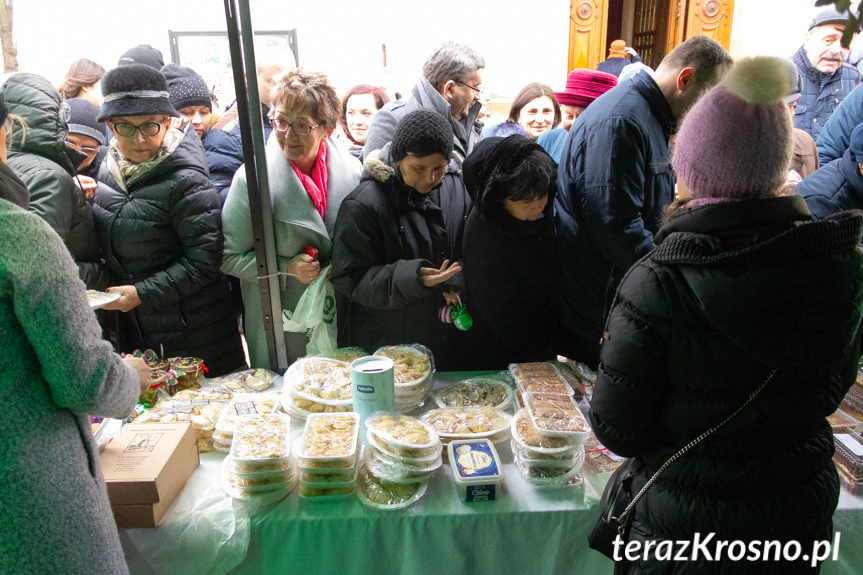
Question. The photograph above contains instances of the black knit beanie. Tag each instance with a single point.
(186, 87)
(142, 54)
(422, 133)
(135, 90)
(82, 119)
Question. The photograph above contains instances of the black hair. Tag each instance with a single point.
(531, 179)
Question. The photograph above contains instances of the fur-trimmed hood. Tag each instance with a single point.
(378, 167)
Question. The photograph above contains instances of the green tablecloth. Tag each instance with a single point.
(529, 530)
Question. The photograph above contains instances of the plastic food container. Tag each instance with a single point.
(526, 435)
(598, 459)
(207, 393)
(261, 442)
(246, 381)
(853, 407)
(539, 377)
(329, 477)
(317, 385)
(476, 468)
(546, 475)
(326, 494)
(469, 423)
(202, 414)
(476, 391)
(330, 440)
(346, 354)
(377, 493)
(240, 405)
(849, 454)
(256, 490)
(841, 422)
(557, 416)
(403, 435)
(413, 374)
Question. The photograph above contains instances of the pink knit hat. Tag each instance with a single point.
(735, 142)
(583, 86)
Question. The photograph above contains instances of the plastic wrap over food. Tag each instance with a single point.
(320, 379)
(202, 414)
(330, 440)
(261, 440)
(598, 458)
(377, 493)
(210, 393)
(346, 354)
(526, 433)
(551, 475)
(557, 415)
(243, 404)
(539, 377)
(476, 392)
(399, 469)
(413, 374)
(469, 423)
(404, 435)
(246, 381)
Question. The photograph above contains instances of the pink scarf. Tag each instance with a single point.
(316, 185)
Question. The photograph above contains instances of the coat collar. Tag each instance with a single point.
(659, 106)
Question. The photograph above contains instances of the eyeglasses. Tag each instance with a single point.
(301, 130)
(83, 149)
(474, 88)
(128, 130)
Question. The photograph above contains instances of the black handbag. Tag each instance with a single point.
(615, 507)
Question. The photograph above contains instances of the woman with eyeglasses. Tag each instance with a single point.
(87, 136)
(40, 155)
(159, 224)
(309, 175)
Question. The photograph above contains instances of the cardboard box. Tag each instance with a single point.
(146, 468)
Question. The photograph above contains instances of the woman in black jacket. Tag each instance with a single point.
(159, 223)
(742, 282)
(397, 244)
(509, 251)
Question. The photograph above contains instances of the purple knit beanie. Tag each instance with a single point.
(735, 142)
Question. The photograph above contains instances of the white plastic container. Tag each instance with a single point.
(476, 468)
(330, 440)
(453, 423)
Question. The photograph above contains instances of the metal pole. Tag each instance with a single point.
(252, 129)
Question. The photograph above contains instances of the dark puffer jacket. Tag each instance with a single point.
(380, 242)
(162, 233)
(510, 270)
(832, 188)
(822, 93)
(732, 291)
(44, 163)
(224, 157)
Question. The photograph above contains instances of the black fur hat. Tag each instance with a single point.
(135, 90)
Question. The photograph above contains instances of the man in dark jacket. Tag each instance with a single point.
(451, 86)
(838, 185)
(827, 79)
(614, 181)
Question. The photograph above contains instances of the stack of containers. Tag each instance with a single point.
(549, 432)
(260, 465)
(328, 456)
(848, 458)
(458, 423)
(853, 402)
(241, 405)
(400, 451)
(413, 374)
(317, 385)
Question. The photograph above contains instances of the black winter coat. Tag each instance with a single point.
(380, 242)
(832, 188)
(224, 157)
(46, 165)
(510, 270)
(732, 291)
(163, 234)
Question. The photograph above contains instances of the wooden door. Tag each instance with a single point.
(711, 18)
(649, 30)
(588, 21)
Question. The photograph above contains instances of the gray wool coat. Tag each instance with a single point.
(296, 222)
(56, 368)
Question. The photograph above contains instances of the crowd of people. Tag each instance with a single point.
(670, 228)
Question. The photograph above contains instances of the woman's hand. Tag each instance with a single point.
(433, 276)
(143, 371)
(304, 267)
(128, 298)
(87, 185)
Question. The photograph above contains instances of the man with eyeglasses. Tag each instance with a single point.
(452, 86)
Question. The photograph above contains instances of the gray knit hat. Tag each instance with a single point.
(82, 119)
(135, 90)
(142, 54)
(422, 133)
(187, 87)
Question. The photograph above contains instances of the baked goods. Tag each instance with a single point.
(598, 459)
(557, 415)
(539, 378)
(202, 414)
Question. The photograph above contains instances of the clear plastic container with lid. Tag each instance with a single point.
(412, 373)
(244, 404)
(476, 468)
(469, 423)
(526, 435)
(551, 475)
(849, 454)
(377, 493)
(330, 440)
(557, 415)
(539, 377)
(403, 435)
(475, 392)
(317, 385)
(261, 442)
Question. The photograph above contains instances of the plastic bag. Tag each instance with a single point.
(315, 314)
